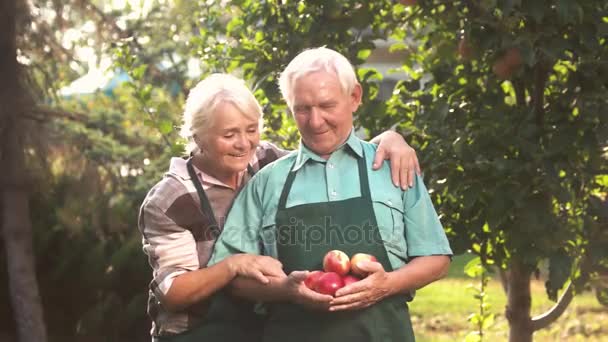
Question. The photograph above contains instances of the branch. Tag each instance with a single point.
(43, 114)
(541, 73)
(520, 92)
(104, 20)
(543, 320)
(47, 34)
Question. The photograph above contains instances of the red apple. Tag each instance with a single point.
(349, 279)
(502, 69)
(357, 258)
(507, 64)
(312, 279)
(329, 283)
(513, 58)
(336, 261)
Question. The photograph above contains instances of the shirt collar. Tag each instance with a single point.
(305, 154)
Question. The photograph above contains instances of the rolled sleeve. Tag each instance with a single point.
(424, 233)
(171, 249)
(241, 232)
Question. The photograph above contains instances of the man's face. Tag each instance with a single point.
(323, 113)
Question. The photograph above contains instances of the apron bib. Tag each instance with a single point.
(305, 233)
(228, 318)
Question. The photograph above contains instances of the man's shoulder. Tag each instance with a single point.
(380, 180)
(368, 148)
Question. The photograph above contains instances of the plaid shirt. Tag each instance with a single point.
(178, 237)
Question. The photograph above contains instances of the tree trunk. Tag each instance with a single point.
(16, 224)
(519, 302)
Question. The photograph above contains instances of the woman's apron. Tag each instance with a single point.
(228, 318)
(305, 233)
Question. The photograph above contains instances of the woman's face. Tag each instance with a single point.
(231, 140)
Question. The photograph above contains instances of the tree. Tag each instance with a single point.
(91, 159)
(256, 39)
(508, 100)
(16, 224)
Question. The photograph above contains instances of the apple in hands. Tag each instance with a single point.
(349, 279)
(357, 258)
(338, 271)
(329, 283)
(336, 261)
(312, 279)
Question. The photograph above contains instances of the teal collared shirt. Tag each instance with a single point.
(407, 220)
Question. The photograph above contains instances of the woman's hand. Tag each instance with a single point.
(255, 266)
(403, 159)
(365, 292)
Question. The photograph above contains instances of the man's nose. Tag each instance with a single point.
(316, 118)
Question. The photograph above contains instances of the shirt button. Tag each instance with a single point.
(330, 165)
(389, 202)
(334, 193)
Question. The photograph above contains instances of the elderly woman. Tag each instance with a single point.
(183, 214)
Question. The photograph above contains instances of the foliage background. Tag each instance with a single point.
(516, 167)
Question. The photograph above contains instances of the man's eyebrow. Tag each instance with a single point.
(326, 102)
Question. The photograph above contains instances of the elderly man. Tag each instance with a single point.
(323, 197)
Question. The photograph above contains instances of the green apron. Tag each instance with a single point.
(228, 318)
(304, 234)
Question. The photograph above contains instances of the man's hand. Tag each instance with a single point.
(403, 159)
(300, 294)
(365, 292)
(255, 267)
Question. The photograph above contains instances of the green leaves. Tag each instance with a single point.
(474, 268)
(560, 268)
(483, 318)
(517, 165)
(510, 158)
(569, 11)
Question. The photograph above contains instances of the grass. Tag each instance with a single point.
(440, 310)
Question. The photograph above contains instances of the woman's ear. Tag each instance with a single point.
(197, 141)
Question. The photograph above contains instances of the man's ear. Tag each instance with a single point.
(356, 95)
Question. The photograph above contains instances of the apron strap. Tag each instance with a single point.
(288, 182)
(363, 181)
(205, 204)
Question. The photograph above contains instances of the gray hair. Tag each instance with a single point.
(204, 98)
(313, 60)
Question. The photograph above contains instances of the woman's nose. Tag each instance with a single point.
(241, 141)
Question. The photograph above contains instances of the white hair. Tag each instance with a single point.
(204, 98)
(312, 60)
